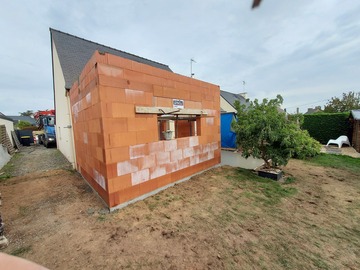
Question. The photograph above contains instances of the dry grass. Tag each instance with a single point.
(225, 218)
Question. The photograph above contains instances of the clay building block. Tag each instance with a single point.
(123, 154)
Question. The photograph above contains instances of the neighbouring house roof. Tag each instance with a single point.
(75, 52)
(231, 97)
(3, 116)
(16, 119)
(355, 114)
(313, 110)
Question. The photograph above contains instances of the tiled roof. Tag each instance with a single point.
(313, 110)
(17, 118)
(231, 97)
(355, 114)
(75, 52)
(3, 116)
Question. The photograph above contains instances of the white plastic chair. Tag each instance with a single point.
(340, 141)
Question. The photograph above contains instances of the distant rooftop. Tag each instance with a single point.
(313, 110)
(75, 52)
(17, 118)
(3, 116)
(231, 98)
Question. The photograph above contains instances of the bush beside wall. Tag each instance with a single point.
(325, 126)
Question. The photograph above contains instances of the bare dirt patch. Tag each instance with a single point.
(224, 218)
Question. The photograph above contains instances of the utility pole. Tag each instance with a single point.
(191, 72)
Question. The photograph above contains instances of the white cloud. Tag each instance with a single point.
(307, 51)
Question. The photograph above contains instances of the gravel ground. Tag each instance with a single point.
(345, 150)
(36, 158)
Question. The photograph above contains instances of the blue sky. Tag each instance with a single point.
(307, 51)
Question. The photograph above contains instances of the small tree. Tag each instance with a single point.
(27, 113)
(262, 131)
(349, 101)
(23, 124)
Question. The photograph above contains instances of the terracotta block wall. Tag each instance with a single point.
(118, 151)
(185, 128)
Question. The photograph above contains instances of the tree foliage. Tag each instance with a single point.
(262, 131)
(296, 117)
(349, 101)
(23, 124)
(27, 113)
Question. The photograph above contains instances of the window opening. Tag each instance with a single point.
(178, 126)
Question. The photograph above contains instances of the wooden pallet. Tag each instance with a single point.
(16, 140)
(5, 140)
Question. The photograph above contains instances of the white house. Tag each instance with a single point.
(228, 99)
(9, 125)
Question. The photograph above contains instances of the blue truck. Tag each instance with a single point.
(46, 123)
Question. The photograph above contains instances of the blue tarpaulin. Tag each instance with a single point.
(228, 137)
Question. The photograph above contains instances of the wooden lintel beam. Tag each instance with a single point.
(168, 110)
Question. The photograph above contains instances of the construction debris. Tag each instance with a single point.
(3, 241)
(5, 140)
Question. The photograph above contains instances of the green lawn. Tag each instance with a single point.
(337, 161)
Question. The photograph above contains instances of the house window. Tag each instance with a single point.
(178, 126)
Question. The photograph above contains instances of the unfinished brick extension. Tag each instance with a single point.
(120, 152)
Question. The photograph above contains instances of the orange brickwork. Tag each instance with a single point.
(118, 151)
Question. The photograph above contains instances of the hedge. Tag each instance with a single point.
(326, 126)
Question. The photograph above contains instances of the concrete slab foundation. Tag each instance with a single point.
(235, 159)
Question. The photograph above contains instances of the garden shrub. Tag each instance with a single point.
(262, 131)
(325, 126)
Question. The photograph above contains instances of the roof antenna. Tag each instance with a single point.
(244, 93)
(191, 73)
